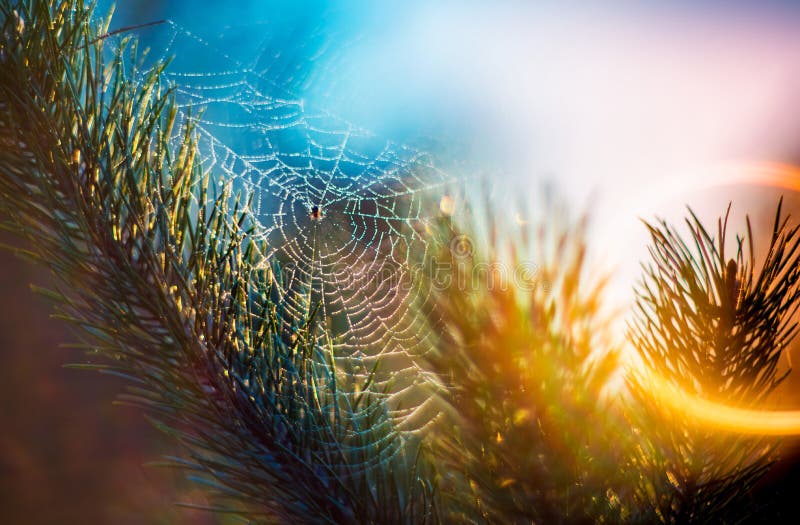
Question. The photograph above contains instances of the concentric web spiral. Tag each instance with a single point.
(342, 212)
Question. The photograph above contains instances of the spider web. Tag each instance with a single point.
(342, 211)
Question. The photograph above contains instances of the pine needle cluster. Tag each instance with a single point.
(715, 326)
(530, 431)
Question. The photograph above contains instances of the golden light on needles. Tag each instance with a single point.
(713, 413)
(721, 416)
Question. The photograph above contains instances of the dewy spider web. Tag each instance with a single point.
(341, 212)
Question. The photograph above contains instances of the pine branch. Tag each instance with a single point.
(529, 433)
(714, 326)
(160, 275)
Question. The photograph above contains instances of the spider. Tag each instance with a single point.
(316, 213)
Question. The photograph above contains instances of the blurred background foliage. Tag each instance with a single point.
(67, 454)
